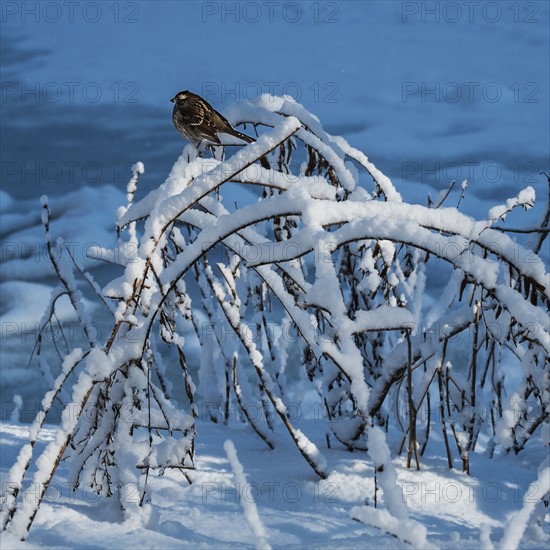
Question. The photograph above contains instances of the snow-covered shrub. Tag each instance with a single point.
(329, 251)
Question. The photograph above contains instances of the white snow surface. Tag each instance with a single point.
(296, 509)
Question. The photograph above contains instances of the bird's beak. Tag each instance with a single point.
(173, 99)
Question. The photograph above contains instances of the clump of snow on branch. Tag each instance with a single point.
(249, 506)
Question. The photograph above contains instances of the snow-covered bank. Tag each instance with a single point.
(297, 510)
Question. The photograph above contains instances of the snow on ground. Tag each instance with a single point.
(296, 509)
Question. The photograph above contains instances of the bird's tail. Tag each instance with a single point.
(263, 161)
(242, 136)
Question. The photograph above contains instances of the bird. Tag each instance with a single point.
(197, 121)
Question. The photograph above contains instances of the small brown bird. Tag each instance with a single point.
(196, 120)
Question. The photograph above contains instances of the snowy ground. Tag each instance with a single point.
(297, 510)
(362, 75)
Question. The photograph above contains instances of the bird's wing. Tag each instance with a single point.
(193, 114)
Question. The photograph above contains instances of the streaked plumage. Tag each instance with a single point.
(197, 120)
